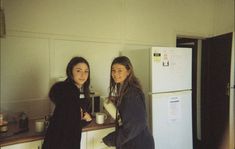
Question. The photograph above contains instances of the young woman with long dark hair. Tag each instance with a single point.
(70, 114)
(132, 131)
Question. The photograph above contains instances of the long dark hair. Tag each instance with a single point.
(74, 61)
(130, 81)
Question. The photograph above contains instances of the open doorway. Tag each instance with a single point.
(195, 44)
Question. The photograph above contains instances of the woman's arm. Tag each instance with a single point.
(85, 118)
(133, 114)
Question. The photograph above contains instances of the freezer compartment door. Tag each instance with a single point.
(172, 120)
(171, 69)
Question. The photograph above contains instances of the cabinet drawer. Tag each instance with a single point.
(28, 145)
(94, 138)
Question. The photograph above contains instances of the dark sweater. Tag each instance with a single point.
(64, 131)
(133, 133)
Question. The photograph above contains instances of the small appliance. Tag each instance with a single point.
(96, 105)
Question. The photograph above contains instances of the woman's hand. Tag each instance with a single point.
(86, 117)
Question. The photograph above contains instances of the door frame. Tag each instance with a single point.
(193, 43)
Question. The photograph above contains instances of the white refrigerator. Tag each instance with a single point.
(166, 76)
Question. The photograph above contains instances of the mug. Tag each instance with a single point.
(39, 125)
(100, 117)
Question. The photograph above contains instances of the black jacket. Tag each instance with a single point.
(133, 133)
(64, 130)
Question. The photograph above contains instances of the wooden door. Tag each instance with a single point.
(216, 61)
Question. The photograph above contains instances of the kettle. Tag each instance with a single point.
(110, 108)
(23, 121)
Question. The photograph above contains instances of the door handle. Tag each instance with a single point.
(228, 89)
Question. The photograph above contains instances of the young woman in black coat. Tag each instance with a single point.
(70, 98)
(131, 131)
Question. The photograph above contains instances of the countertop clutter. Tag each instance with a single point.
(15, 135)
(3, 124)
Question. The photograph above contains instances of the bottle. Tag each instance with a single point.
(1, 119)
(23, 122)
(47, 120)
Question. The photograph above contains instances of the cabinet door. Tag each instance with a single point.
(28, 145)
(83, 140)
(94, 138)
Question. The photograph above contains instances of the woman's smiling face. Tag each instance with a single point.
(119, 73)
(80, 74)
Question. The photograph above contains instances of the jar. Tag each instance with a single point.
(4, 127)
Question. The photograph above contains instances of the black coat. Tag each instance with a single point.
(64, 130)
(134, 132)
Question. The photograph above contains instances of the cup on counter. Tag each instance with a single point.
(100, 117)
(39, 125)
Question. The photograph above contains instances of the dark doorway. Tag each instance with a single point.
(192, 43)
(216, 61)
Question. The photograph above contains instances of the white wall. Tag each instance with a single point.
(224, 15)
(42, 36)
(99, 56)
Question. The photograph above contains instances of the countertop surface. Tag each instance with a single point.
(9, 138)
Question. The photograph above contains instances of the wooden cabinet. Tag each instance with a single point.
(84, 140)
(27, 145)
(94, 138)
(90, 140)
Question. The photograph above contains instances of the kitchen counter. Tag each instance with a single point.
(30, 135)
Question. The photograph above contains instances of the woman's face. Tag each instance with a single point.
(80, 74)
(119, 73)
